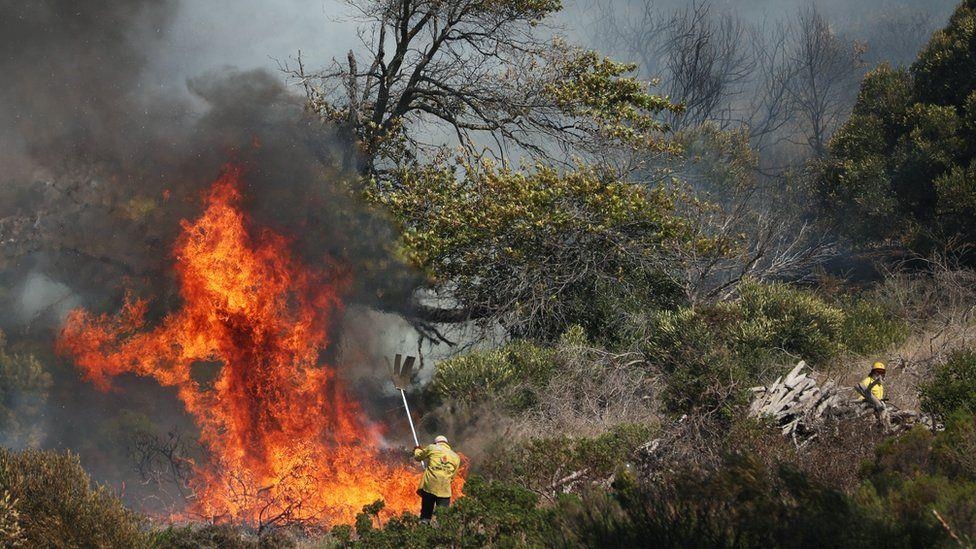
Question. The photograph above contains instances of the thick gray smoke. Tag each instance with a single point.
(71, 77)
(98, 171)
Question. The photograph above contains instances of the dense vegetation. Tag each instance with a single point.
(626, 289)
(902, 168)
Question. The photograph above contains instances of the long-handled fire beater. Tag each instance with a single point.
(402, 374)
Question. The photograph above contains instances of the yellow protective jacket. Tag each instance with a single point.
(442, 465)
(877, 391)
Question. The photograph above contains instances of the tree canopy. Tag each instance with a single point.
(478, 73)
(537, 250)
(902, 170)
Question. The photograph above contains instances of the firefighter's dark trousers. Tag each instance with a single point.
(427, 503)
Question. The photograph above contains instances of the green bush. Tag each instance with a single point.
(953, 386)
(870, 327)
(58, 507)
(743, 503)
(493, 374)
(919, 474)
(778, 317)
(691, 348)
(492, 514)
(540, 463)
(710, 354)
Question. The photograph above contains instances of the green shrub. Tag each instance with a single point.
(921, 472)
(493, 374)
(690, 347)
(955, 448)
(709, 354)
(59, 507)
(492, 514)
(953, 386)
(743, 503)
(778, 317)
(870, 327)
(539, 464)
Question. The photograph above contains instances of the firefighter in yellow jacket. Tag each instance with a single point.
(442, 465)
(871, 391)
(871, 388)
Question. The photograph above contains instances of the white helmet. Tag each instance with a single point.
(440, 438)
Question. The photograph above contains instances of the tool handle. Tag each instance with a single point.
(406, 407)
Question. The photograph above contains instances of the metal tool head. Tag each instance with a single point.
(402, 371)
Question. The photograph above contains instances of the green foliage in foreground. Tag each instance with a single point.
(742, 503)
(493, 514)
(921, 474)
(953, 387)
(539, 464)
(56, 505)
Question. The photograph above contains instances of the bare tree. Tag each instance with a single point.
(757, 229)
(702, 58)
(166, 465)
(709, 64)
(478, 73)
(823, 77)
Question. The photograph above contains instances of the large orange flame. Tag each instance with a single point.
(285, 440)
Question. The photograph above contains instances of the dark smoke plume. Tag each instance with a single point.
(97, 172)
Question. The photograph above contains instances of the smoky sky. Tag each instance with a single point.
(70, 72)
(115, 115)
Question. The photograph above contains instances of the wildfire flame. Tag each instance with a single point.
(285, 439)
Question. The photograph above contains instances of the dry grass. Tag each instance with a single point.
(940, 309)
(593, 391)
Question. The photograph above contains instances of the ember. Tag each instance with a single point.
(286, 441)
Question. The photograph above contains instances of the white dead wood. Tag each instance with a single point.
(800, 405)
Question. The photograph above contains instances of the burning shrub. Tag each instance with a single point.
(278, 425)
(57, 505)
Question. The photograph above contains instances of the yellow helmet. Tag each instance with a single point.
(878, 366)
